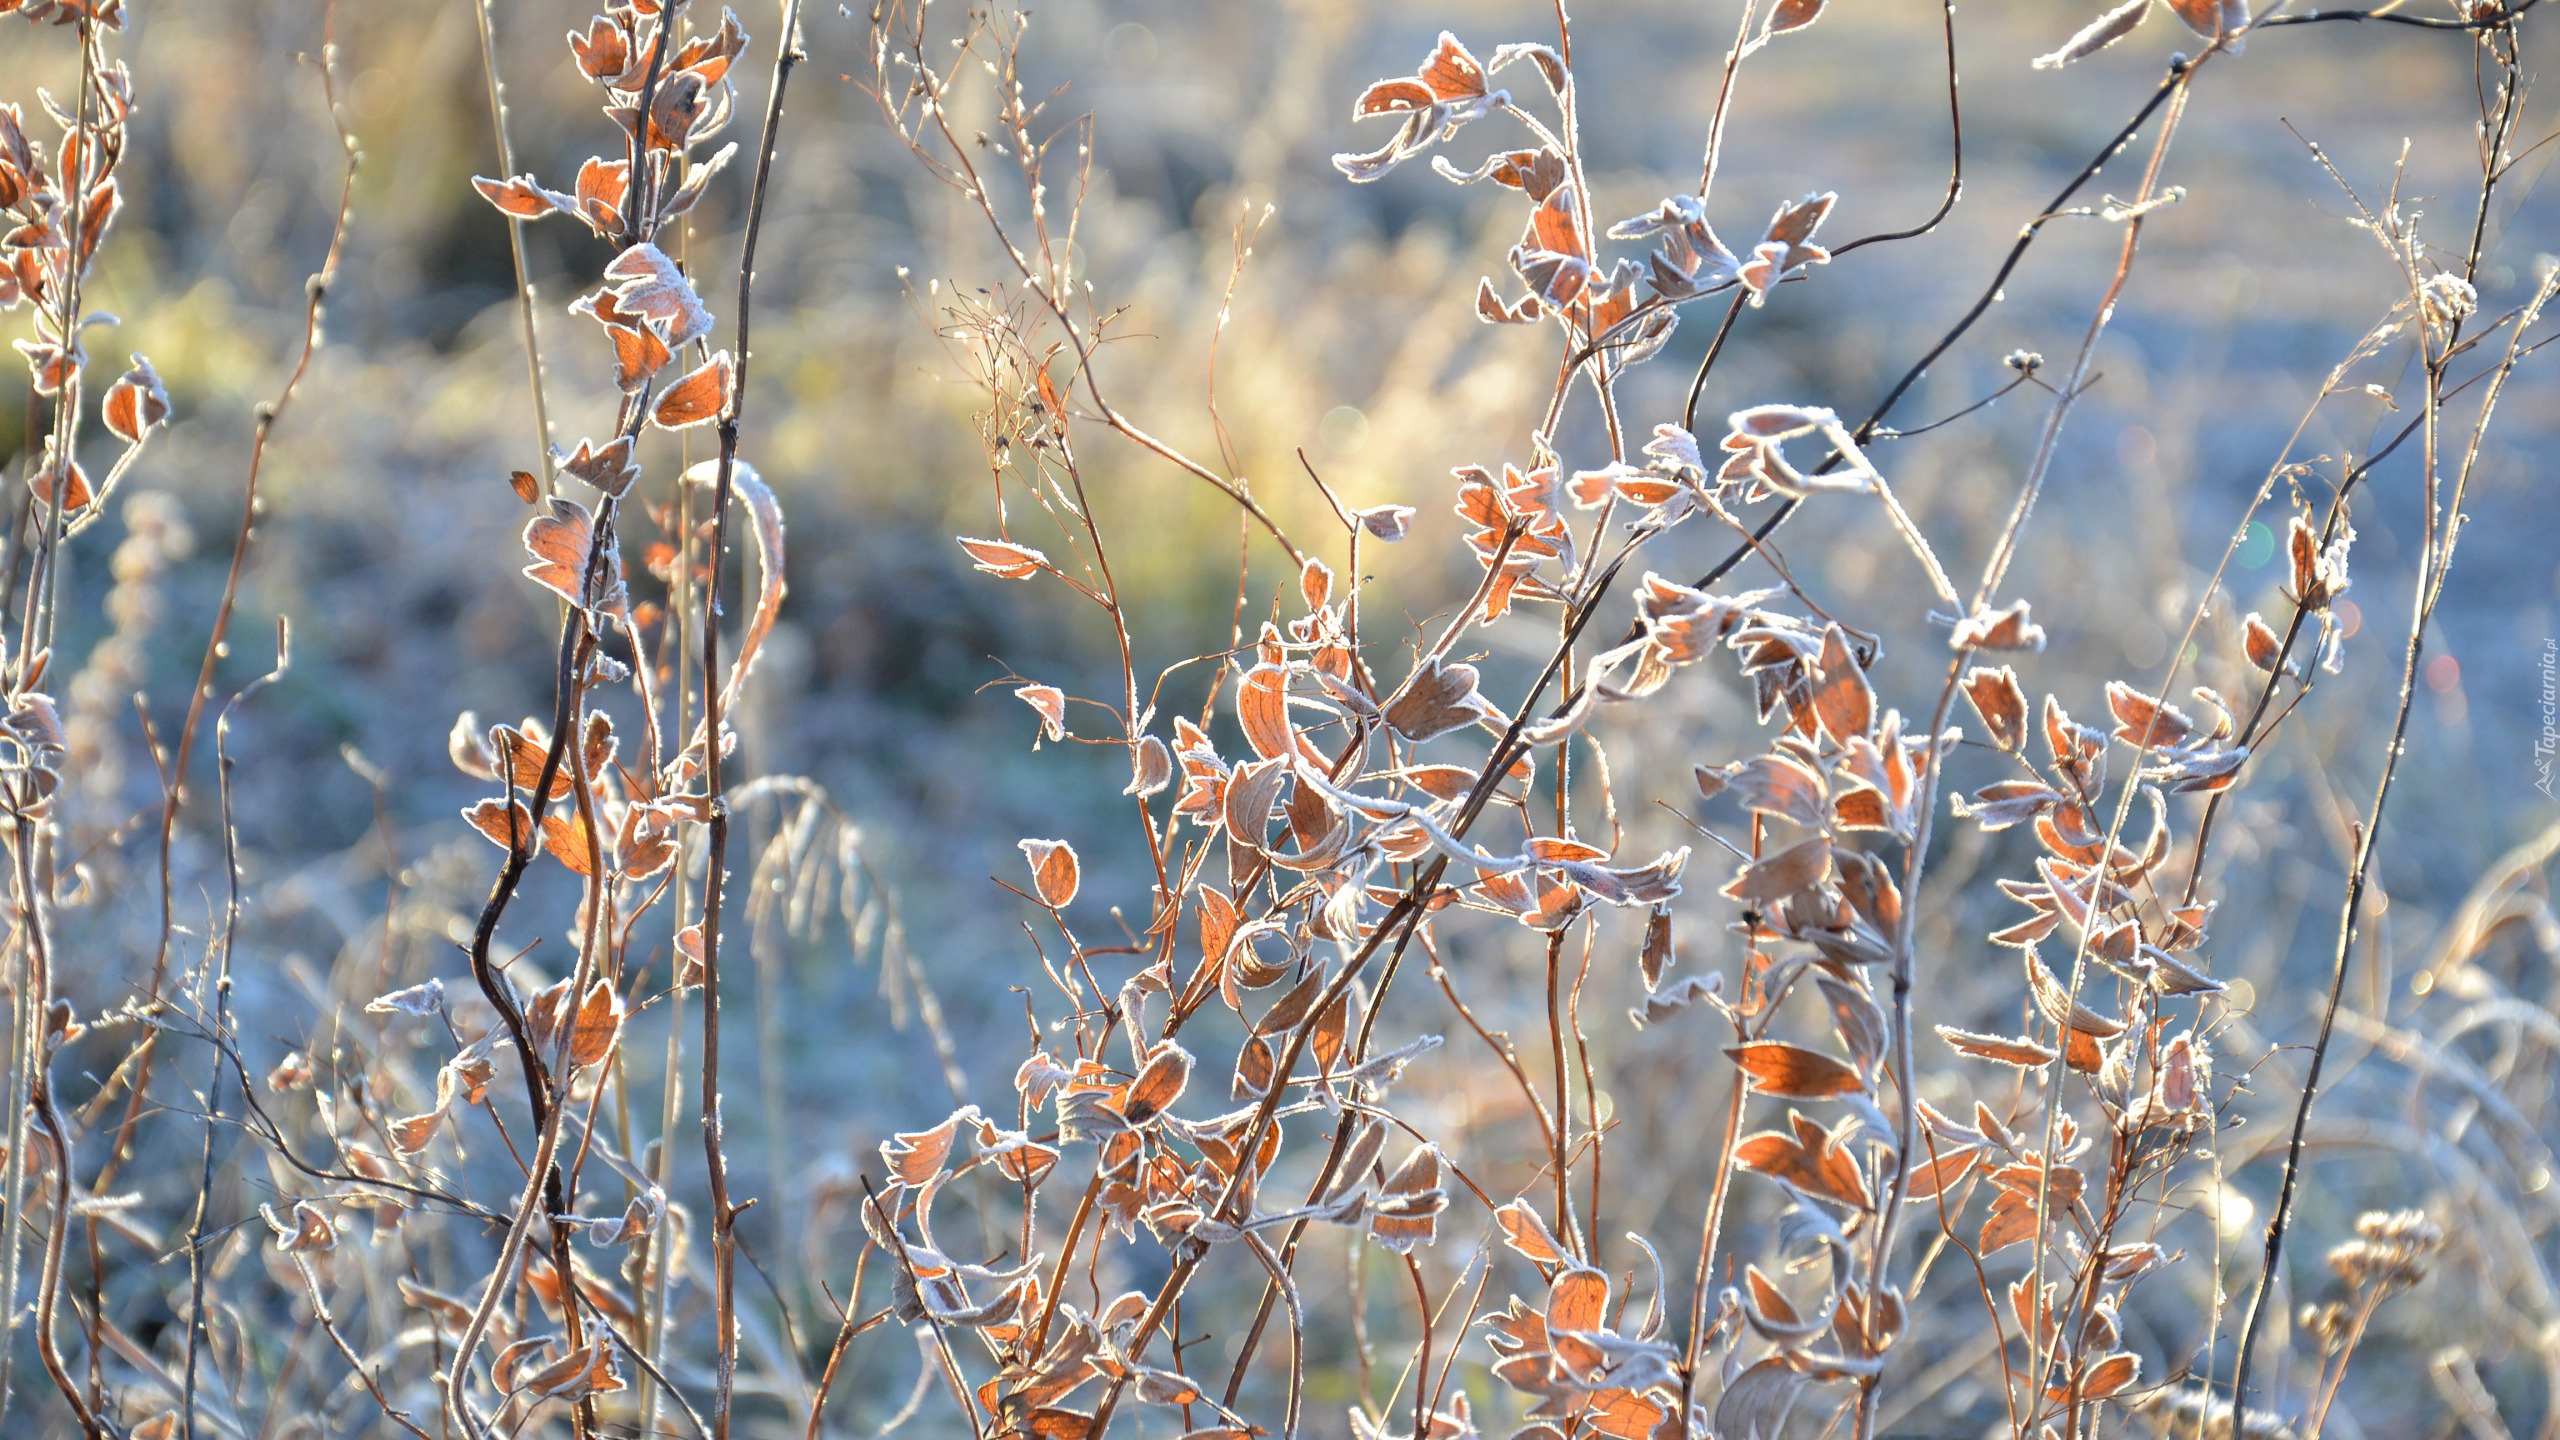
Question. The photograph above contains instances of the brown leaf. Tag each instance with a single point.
(2265, 648)
(507, 824)
(2007, 628)
(411, 1135)
(1777, 1068)
(521, 197)
(609, 467)
(1150, 767)
(1578, 1300)
(2025, 1054)
(562, 545)
(565, 835)
(1262, 708)
(2104, 1378)
(1251, 793)
(2143, 722)
(1794, 15)
(1051, 702)
(1158, 1085)
(1054, 872)
(1791, 871)
(135, 404)
(1843, 702)
(1779, 785)
(1004, 559)
(1523, 1231)
(1436, 699)
(698, 398)
(309, 1232)
(599, 1023)
(1315, 583)
(1218, 920)
(916, 1157)
(2001, 704)
(1946, 1168)
(1656, 956)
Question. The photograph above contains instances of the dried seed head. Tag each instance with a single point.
(2391, 1250)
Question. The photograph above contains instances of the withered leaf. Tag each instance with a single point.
(563, 549)
(1780, 785)
(1843, 702)
(1004, 559)
(1797, 868)
(135, 404)
(2007, 628)
(1436, 699)
(2103, 1378)
(1262, 709)
(425, 998)
(1777, 1068)
(1158, 1085)
(915, 1157)
(1051, 703)
(2025, 1054)
(1054, 872)
(1387, 522)
(599, 1022)
(609, 467)
(2143, 722)
(2000, 702)
(1150, 767)
(2106, 30)
(1525, 1232)
(508, 824)
(1794, 15)
(522, 197)
(698, 398)
(2265, 648)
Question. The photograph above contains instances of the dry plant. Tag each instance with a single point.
(506, 1240)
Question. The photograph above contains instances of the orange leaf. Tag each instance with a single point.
(1053, 870)
(1262, 708)
(698, 397)
(521, 197)
(1158, 1085)
(1777, 1068)
(2025, 1054)
(1526, 1233)
(1004, 559)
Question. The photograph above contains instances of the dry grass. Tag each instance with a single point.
(1952, 1092)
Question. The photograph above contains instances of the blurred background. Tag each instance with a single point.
(1352, 335)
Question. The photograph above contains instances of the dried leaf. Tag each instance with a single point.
(1843, 701)
(1158, 1085)
(2106, 30)
(1004, 559)
(2264, 646)
(1528, 1234)
(1150, 767)
(1054, 872)
(2025, 1054)
(1777, 1068)
(135, 404)
(1051, 703)
(1794, 15)
(521, 197)
(2001, 704)
(698, 398)
(1436, 699)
